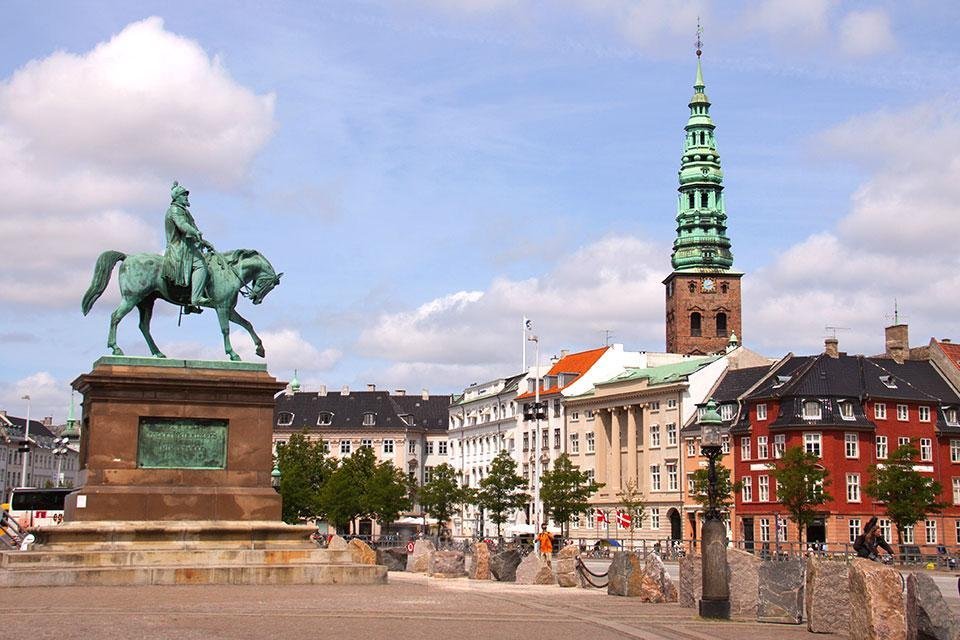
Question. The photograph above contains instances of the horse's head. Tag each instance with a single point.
(263, 285)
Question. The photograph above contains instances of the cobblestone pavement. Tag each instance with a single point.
(409, 606)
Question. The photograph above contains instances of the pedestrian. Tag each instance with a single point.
(544, 541)
(866, 543)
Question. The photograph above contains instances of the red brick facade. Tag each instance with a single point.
(709, 297)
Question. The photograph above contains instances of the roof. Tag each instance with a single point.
(510, 385)
(575, 363)
(951, 350)
(16, 426)
(736, 382)
(431, 414)
(663, 374)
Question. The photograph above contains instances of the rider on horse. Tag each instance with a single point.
(184, 263)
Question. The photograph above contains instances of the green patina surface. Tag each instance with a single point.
(176, 443)
(663, 374)
(702, 242)
(141, 361)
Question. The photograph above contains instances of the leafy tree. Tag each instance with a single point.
(361, 487)
(908, 495)
(565, 491)
(502, 491)
(632, 502)
(387, 493)
(443, 494)
(304, 468)
(801, 486)
(726, 489)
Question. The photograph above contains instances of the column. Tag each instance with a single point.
(615, 474)
(601, 422)
(632, 444)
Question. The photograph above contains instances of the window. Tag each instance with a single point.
(762, 411)
(366, 442)
(779, 445)
(763, 488)
(574, 416)
(930, 528)
(745, 448)
(590, 414)
(409, 420)
(574, 443)
(556, 438)
(654, 435)
(762, 449)
(811, 410)
(690, 203)
(853, 487)
(591, 442)
(704, 197)
(764, 529)
(695, 322)
(285, 419)
(427, 474)
(885, 529)
(888, 382)
(926, 449)
(671, 434)
(655, 518)
(673, 483)
(908, 535)
(854, 529)
(725, 444)
(746, 489)
(671, 404)
(654, 405)
(344, 447)
(812, 443)
(543, 438)
(325, 419)
(956, 490)
(369, 419)
(846, 409)
(591, 475)
(442, 447)
(556, 408)
(691, 485)
(412, 447)
(726, 411)
(655, 477)
(388, 446)
(430, 447)
(691, 448)
(955, 451)
(880, 411)
(924, 414)
(851, 445)
(721, 325)
(950, 415)
(881, 447)
(526, 441)
(903, 441)
(903, 413)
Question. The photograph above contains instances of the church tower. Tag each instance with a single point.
(703, 292)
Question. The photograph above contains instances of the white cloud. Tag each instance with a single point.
(866, 33)
(87, 139)
(805, 20)
(48, 397)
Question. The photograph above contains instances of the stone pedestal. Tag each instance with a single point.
(781, 591)
(744, 583)
(876, 602)
(827, 596)
(928, 614)
(715, 602)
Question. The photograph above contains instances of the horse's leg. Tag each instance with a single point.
(243, 322)
(223, 315)
(146, 313)
(125, 306)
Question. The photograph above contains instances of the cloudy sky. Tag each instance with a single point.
(427, 172)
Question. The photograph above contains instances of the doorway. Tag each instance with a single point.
(676, 525)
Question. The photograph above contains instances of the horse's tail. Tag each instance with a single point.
(101, 278)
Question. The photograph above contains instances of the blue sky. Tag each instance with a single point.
(426, 172)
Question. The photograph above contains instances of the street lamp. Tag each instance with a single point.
(537, 414)
(25, 447)
(715, 602)
(275, 477)
(60, 449)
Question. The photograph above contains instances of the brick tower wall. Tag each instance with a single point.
(685, 295)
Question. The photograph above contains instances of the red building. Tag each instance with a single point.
(851, 411)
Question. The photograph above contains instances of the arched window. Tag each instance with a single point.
(702, 138)
(722, 325)
(724, 287)
(704, 199)
(695, 324)
(690, 200)
(692, 287)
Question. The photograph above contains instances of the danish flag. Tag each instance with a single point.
(601, 516)
(623, 519)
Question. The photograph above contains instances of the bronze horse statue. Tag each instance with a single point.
(231, 273)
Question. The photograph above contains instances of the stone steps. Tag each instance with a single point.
(278, 574)
(147, 558)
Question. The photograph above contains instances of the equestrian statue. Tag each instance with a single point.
(190, 274)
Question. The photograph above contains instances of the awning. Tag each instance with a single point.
(414, 520)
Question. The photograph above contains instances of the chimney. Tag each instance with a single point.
(345, 390)
(400, 392)
(3, 412)
(425, 394)
(371, 387)
(947, 340)
(897, 340)
(564, 353)
(322, 391)
(48, 421)
(831, 347)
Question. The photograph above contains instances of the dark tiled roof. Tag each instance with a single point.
(348, 411)
(736, 382)
(780, 377)
(37, 430)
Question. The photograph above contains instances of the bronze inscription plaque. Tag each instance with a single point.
(182, 443)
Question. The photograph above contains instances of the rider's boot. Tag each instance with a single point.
(197, 295)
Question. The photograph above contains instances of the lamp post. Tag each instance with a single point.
(715, 602)
(25, 447)
(275, 477)
(60, 449)
(533, 440)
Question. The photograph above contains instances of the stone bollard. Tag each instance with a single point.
(827, 595)
(419, 560)
(503, 565)
(625, 576)
(337, 543)
(565, 566)
(691, 588)
(876, 602)
(928, 615)
(361, 553)
(533, 570)
(656, 585)
(480, 566)
(393, 558)
(744, 575)
(447, 564)
(781, 591)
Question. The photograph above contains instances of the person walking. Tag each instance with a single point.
(544, 542)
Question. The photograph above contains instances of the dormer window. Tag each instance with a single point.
(408, 419)
(285, 419)
(369, 419)
(325, 419)
(950, 415)
(726, 411)
(780, 381)
(846, 409)
(811, 410)
(888, 382)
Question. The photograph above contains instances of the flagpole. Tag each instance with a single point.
(523, 343)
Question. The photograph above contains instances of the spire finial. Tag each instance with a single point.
(699, 38)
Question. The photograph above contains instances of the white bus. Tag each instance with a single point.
(37, 507)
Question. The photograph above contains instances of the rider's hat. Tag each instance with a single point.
(178, 190)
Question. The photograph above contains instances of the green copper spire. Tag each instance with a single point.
(71, 430)
(702, 241)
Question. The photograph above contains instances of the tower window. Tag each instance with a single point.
(690, 200)
(692, 287)
(721, 325)
(702, 138)
(724, 287)
(704, 199)
(695, 324)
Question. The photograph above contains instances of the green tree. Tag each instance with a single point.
(725, 488)
(502, 491)
(361, 487)
(443, 494)
(387, 494)
(632, 503)
(304, 468)
(565, 491)
(908, 495)
(801, 486)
